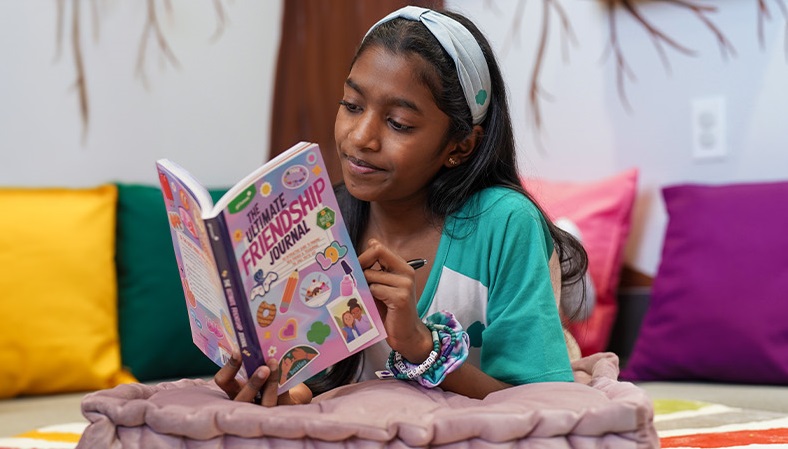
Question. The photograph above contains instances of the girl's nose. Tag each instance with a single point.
(365, 132)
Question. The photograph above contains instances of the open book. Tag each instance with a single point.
(270, 269)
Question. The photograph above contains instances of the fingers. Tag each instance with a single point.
(255, 384)
(225, 377)
(389, 276)
(394, 293)
(271, 385)
(263, 382)
(395, 290)
(369, 257)
(299, 394)
(391, 281)
(380, 258)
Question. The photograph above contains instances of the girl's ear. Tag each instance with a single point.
(465, 148)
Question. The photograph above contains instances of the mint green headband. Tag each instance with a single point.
(463, 48)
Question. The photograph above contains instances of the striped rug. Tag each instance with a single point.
(61, 436)
(695, 424)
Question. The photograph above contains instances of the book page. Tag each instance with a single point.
(202, 278)
(169, 172)
(207, 310)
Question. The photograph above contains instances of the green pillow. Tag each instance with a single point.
(155, 338)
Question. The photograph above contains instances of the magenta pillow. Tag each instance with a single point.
(719, 306)
(602, 210)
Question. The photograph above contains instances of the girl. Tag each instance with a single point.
(362, 322)
(349, 328)
(425, 139)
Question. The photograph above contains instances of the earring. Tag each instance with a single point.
(453, 161)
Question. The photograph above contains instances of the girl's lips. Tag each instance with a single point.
(358, 166)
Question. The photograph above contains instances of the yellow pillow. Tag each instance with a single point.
(58, 291)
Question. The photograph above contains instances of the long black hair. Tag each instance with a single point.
(493, 163)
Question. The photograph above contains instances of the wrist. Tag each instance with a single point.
(450, 344)
(417, 348)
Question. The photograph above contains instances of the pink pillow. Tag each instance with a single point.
(718, 305)
(602, 210)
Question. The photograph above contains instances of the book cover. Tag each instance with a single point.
(270, 269)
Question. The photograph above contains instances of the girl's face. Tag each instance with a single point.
(356, 311)
(389, 132)
(347, 318)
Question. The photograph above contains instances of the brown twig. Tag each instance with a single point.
(80, 84)
(566, 26)
(764, 13)
(59, 26)
(622, 68)
(784, 10)
(536, 91)
(491, 5)
(514, 29)
(658, 38)
(701, 12)
(153, 28)
(221, 20)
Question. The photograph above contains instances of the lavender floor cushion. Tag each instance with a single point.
(595, 411)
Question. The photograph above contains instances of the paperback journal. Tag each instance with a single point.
(269, 269)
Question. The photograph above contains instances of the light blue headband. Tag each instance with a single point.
(463, 48)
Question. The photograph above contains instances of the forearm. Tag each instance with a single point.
(470, 381)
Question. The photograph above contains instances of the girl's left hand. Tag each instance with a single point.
(264, 381)
(392, 283)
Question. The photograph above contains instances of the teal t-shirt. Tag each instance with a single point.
(492, 272)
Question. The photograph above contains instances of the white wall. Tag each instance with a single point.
(213, 113)
(589, 135)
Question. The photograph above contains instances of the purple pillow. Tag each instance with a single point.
(719, 306)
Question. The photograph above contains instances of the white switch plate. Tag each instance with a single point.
(709, 128)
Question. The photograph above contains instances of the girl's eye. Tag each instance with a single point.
(397, 126)
(350, 106)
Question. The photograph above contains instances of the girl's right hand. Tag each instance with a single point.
(264, 380)
(392, 283)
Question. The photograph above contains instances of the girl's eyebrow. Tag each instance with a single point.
(398, 101)
(352, 84)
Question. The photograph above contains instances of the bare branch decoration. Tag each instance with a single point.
(152, 30)
(221, 20)
(536, 91)
(79, 63)
(622, 68)
(764, 13)
(624, 72)
(658, 38)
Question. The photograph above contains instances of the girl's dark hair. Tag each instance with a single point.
(493, 163)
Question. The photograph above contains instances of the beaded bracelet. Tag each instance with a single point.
(449, 350)
(399, 361)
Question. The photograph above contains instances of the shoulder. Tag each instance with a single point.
(503, 217)
(502, 205)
